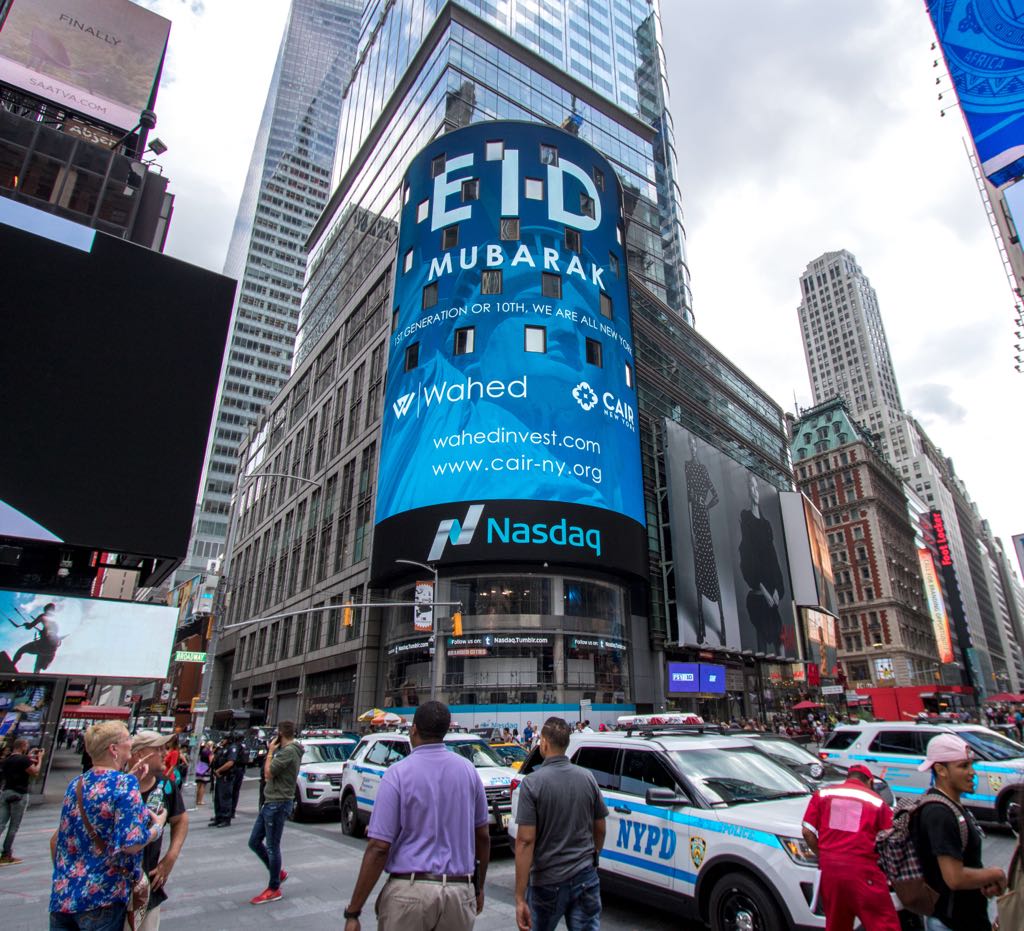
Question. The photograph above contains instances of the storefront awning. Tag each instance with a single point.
(96, 712)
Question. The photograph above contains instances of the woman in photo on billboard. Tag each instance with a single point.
(759, 566)
(701, 496)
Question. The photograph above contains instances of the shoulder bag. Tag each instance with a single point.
(1010, 905)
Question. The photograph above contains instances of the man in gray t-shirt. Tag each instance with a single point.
(560, 834)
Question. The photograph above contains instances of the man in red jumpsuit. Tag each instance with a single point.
(840, 824)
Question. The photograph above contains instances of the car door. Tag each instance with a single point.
(369, 772)
(650, 843)
(894, 754)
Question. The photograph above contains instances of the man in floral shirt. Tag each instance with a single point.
(96, 858)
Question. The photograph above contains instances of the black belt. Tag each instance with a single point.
(433, 877)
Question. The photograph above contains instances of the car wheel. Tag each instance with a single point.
(351, 823)
(741, 903)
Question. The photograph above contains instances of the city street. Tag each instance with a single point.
(217, 875)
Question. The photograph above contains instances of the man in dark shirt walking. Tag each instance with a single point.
(950, 867)
(18, 768)
(561, 825)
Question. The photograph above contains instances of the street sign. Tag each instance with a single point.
(199, 708)
(189, 656)
(831, 690)
(851, 694)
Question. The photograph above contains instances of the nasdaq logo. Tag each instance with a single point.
(402, 405)
(458, 534)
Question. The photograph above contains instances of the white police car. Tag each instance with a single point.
(376, 752)
(703, 820)
(893, 750)
(318, 787)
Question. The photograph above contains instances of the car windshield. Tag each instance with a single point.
(476, 751)
(512, 753)
(992, 746)
(737, 775)
(328, 753)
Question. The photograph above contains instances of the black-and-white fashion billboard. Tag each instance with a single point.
(731, 571)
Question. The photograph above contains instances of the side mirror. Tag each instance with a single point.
(664, 798)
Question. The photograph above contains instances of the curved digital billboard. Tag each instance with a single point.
(510, 418)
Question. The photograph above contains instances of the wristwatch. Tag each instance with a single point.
(355, 913)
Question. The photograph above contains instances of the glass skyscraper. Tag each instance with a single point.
(594, 68)
(287, 186)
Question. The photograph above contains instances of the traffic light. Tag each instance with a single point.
(457, 624)
(347, 616)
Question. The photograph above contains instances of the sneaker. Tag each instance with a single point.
(284, 875)
(267, 895)
(10, 861)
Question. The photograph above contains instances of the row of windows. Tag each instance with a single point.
(492, 281)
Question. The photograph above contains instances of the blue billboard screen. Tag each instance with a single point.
(683, 677)
(712, 679)
(983, 44)
(510, 415)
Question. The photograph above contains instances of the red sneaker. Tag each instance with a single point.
(284, 875)
(267, 895)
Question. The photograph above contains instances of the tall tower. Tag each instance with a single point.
(288, 184)
(845, 346)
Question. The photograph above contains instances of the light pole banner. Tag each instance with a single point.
(936, 606)
(423, 609)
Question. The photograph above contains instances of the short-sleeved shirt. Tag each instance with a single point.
(936, 833)
(284, 772)
(562, 801)
(174, 805)
(16, 768)
(82, 878)
(846, 819)
(428, 808)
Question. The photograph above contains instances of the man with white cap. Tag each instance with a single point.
(840, 825)
(159, 794)
(951, 867)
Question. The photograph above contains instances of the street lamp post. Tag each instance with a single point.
(435, 665)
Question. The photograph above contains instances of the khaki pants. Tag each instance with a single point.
(405, 905)
(152, 922)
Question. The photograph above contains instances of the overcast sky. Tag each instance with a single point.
(802, 126)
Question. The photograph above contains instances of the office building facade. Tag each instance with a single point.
(287, 185)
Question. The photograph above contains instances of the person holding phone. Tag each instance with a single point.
(20, 766)
(159, 794)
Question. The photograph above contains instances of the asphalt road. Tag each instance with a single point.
(216, 876)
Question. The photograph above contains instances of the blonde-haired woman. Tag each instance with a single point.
(97, 849)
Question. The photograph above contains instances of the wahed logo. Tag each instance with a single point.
(451, 531)
(585, 396)
(402, 405)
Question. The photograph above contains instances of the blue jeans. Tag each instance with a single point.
(107, 918)
(269, 827)
(578, 900)
(12, 807)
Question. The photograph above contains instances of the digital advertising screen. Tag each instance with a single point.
(109, 363)
(822, 635)
(683, 677)
(810, 566)
(936, 606)
(712, 679)
(983, 46)
(510, 416)
(731, 567)
(57, 635)
(99, 58)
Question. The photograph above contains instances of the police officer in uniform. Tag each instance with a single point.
(223, 764)
(238, 770)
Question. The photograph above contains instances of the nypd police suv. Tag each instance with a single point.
(894, 749)
(704, 819)
(376, 752)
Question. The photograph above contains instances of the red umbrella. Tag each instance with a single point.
(806, 705)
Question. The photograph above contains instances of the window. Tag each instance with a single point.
(642, 770)
(430, 295)
(534, 189)
(494, 151)
(536, 339)
(470, 190)
(613, 263)
(586, 205)
(593, 352)
(490, 281)
(412, 356)
(449, 237)
(510, 228)
(629, 375)
(606, 306)
(550, 284)
(464, 339)
(548, 154)
(437, 166)
(599, 179)
(601, 763)
(405, 194)
(910, 742)
(407, 261)
(840, 740)
(422, 210)
(573, 240)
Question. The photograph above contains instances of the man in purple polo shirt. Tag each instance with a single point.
(429, 830)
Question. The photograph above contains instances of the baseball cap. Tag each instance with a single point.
(143, 740)
(859, 769)
(946, 748)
